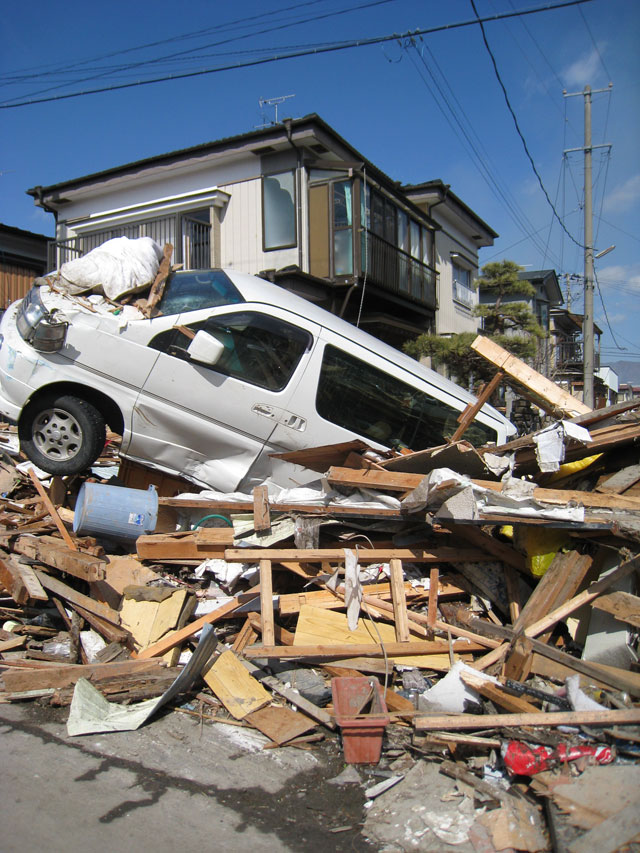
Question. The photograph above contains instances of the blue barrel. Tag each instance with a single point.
(115, 512)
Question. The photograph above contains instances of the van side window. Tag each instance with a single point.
(194, 289)
(376, 405)
(258, 349)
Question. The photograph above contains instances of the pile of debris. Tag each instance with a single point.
(473, 608)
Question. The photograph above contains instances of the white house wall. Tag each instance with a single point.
(241, 231)
(452, 317)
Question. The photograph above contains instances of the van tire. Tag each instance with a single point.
(62, 434)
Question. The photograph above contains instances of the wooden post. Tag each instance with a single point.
(399, 601)
(266, 603)
(432, 611)
(466, 417)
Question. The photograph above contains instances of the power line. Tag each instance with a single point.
(520, 134)
(345, 45)
(606, 70)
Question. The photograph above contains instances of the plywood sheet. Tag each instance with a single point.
(235, 687)
(320, 627)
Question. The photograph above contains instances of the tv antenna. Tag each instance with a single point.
(274, 102)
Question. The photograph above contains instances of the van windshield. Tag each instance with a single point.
(375, 405)
(194, 289)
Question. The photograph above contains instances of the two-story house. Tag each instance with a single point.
(293, 202)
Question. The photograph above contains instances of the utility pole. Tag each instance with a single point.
(588, 356)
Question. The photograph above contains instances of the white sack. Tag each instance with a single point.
(116, 267)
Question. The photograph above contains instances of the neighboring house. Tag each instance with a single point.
(460, 235)
(567, 354)
(293, 202)
(610, 386)
(547, 295)
(627, 391)
(23, 257)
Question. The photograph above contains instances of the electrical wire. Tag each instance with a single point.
(519, 131)
(597, 49)
(606, 316)
(460, 129)
(277, 57)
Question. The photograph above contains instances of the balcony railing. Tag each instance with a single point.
(392, 269)
(571, 354)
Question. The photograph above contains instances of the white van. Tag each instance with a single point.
(230, 369)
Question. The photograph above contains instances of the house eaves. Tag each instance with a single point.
(312, 134)
(436, 192)
(547, 279)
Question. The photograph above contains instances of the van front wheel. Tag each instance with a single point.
(62, 434)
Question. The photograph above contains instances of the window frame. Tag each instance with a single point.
(289, 245)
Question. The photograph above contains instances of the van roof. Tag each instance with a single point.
(258, 290)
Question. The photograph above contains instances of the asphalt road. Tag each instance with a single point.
(173, 784)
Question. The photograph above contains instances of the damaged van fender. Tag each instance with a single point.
(228, 370)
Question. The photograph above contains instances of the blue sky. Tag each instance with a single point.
(420, 108)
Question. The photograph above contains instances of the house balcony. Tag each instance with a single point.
(394, 270)
(570, 356)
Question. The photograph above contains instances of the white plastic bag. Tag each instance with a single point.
(116, 267)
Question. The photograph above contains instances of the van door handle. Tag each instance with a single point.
(294, 422)
(265, 411)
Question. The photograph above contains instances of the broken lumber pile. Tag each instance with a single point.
(477, 602)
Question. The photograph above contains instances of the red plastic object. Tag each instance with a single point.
(525, 760)
(361, 732)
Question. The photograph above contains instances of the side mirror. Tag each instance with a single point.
(205, 349)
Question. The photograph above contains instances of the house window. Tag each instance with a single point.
(342, 228)
(279, 211)
(463, 292)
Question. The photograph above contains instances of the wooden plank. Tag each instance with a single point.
(69, 594)
(261, 512)
(332, 511)
(612, 834)
(177, 637)
(552, 398)
(280, 724)
(585, 597)
(193, 545)
(620, 481)
(276, 686)
(13, 642)
(245, 637)
(560, 497)
(112, 633)
(465, 419)
(148, 621)
(20, 581)
(372, 478)
(449, 722)
(266, 602)
(64, 676)
(496, 694)
(399, 602)
(52, 511)
(401, 651)
(238, 691)
(53, 552)
(434, 584)
(365, 555)
(624, 606)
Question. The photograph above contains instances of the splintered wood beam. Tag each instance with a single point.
(399, 600)
(20, 581)
(261, 511)
(52, 552)
(465, 419)
(69, 594)
(52, 511)
(266, 603)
